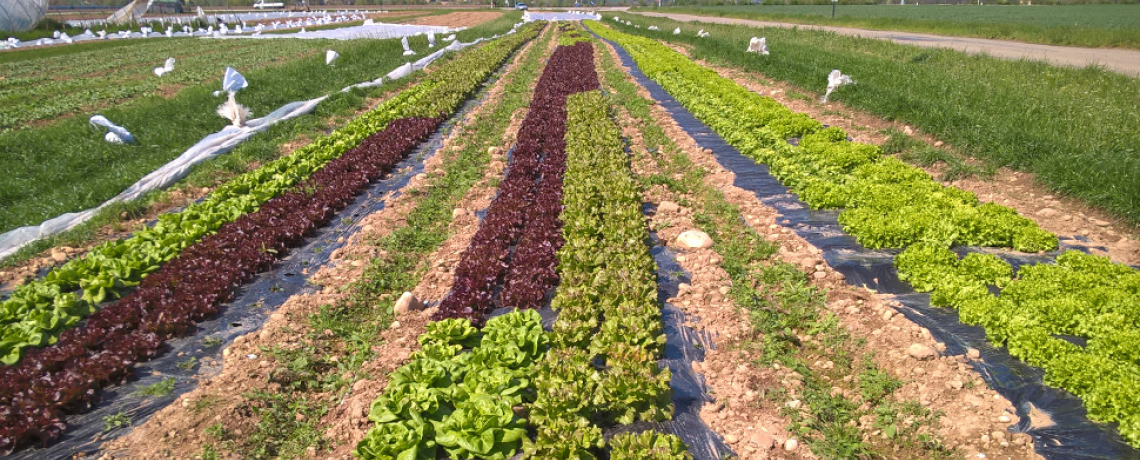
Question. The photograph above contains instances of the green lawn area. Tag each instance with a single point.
(1102, 26)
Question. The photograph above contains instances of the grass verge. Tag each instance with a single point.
(1095, 26)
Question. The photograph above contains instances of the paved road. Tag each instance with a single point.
(1124, 61)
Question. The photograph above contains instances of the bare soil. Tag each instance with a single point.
(457, 19)
(975, 419)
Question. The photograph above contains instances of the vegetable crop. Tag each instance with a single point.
(39, 311)
(885, 202)
(50, 381)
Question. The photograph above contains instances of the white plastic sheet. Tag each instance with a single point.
(758, 45)
(115, 134)
(331, 56)
(407, 49)
(21, 15)
(834, 80)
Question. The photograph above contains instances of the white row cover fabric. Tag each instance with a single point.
(130, 13)
(210, 147)
(21, 15)
(835, 79)
(758, 45)
(561, 16)
(178, 27)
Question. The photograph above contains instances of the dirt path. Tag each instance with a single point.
(459, 19)
(1123, 61)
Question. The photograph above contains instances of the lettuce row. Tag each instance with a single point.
(1081, 295)
(648, 445)
(606, 300)
(458, 399)
(886, 203)
(37, 312)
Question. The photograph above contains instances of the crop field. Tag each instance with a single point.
(1111, 26)
(579, 240)
(178, 111)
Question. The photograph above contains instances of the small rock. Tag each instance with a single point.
(819, 275)
(300, 417)
(998, 435)
(793, 404)
(908, 130)
(493, 151)
(956, 384)
(731, 438)
(887, 314)
(668, 206)
(1004, 418)
(694, 239)
(277, 317)
(921, 352)
(407, 303)
(973, 353)
(938, 143)
(58, 256)
(1048, 212)
(791, 444)
(1100, 223)
(455, 213)
(763, 440)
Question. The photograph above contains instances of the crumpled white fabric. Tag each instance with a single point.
(115, 134)
(834, 80)
(758, 45)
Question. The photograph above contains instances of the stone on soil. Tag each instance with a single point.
(694, 239)
(921, 352)
(407, 303)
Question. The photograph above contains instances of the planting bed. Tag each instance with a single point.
(197, 281)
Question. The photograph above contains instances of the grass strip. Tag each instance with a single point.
(1096, 26)
(1073, 128)
(66, 166)
(783, 306)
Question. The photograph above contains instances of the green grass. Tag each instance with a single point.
(162, 388)
(66, 166)
(1074, 128)
(1099, 26)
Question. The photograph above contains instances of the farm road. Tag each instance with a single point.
(1119, 60)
